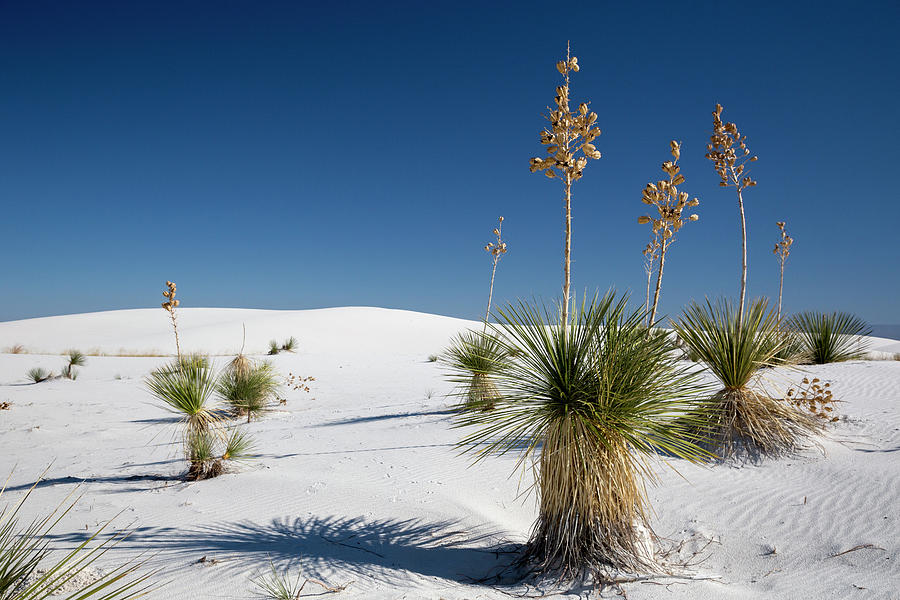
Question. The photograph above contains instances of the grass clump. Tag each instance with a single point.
(38, 374)
(15, 349)
(248, 388)
(290, 344)
(274, 348)
(27, 572)
(740, 419)
(589, 403)
(473, 359)
(831, 337)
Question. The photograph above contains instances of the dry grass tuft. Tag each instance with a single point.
(16, 349)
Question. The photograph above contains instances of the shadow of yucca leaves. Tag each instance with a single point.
(377, 549)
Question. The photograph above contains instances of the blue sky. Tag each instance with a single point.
(300, 155)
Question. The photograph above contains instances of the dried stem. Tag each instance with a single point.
(568, 134)
(496, 250)
(782, 250)
(731, 167)
(170, 305)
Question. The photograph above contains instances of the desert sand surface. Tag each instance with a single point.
(359, 482)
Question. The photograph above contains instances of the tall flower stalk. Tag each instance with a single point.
(782, 250)
(170, 305)
(496, 251)
(568, 135)
(729, 153)
(669, 203)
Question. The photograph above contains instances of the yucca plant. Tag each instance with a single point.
(474, 358)
(38, 374)
(831, 337)
(589, 402)
(186, 388)
(792, 350)
(274, 348)
(289, 344)
(741, 419)
(76, 359)
(248, 388)
(27, 572)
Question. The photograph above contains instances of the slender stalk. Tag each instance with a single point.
(649, 269)
(567, 254)
(175, 327)
(490, 293)
(662, 262)
(743, 259)
(780, 289)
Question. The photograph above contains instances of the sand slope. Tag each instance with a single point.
(359, 480)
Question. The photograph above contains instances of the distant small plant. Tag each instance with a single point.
(782, 251)
(569, 134)
(831, 337)
(496, 251)
(38, 374)
(15, 349)
(474, 358)
(278, 586)
(5, 405)
(814, 397)
(730, 155)
(274, 348)
(669, 203)
(289, 344)
(170, 305)
(76, 359)
(897, 356)
(432, 358)
(295, 383)
(248, 388)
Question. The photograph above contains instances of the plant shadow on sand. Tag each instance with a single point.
(382, 550)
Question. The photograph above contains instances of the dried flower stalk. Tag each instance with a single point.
(782, 250)
(568, 135)
(651, 255)
(170, 305)
(729, 152)
(669, 203)
(496, 250)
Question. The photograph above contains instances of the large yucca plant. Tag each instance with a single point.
(740, 418)
(831, 337)
(27, 572)
(186, 387)
(588, 403)
(474, 358)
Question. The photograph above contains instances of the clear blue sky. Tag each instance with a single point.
(299, 154)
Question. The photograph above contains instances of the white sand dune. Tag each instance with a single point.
(359, 481)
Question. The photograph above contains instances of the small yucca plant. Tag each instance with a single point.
(590, 403)
(38, 374)
(248, 388)
(831, 337)
(741, 419)
(289, 344)
(274, 348)
(473, 359)
(76, 359)
(27, 572)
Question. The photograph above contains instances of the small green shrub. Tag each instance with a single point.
(831, 337)
(473, 358)
(76, 359)
(432, 358)
(248, 389)
(289, 344)
(274, 348)
(38, 374)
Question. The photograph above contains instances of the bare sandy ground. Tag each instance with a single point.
(359, 482)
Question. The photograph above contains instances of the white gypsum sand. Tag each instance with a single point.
(359, 480)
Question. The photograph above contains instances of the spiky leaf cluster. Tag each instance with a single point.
(669, 203)
(568, 133)
(729, 153)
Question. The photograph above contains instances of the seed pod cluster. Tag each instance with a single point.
(729, 153)
(783, 248)
(669, 202)
(171, 304)
(496, 250)
(568, 134)
(815, 397)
